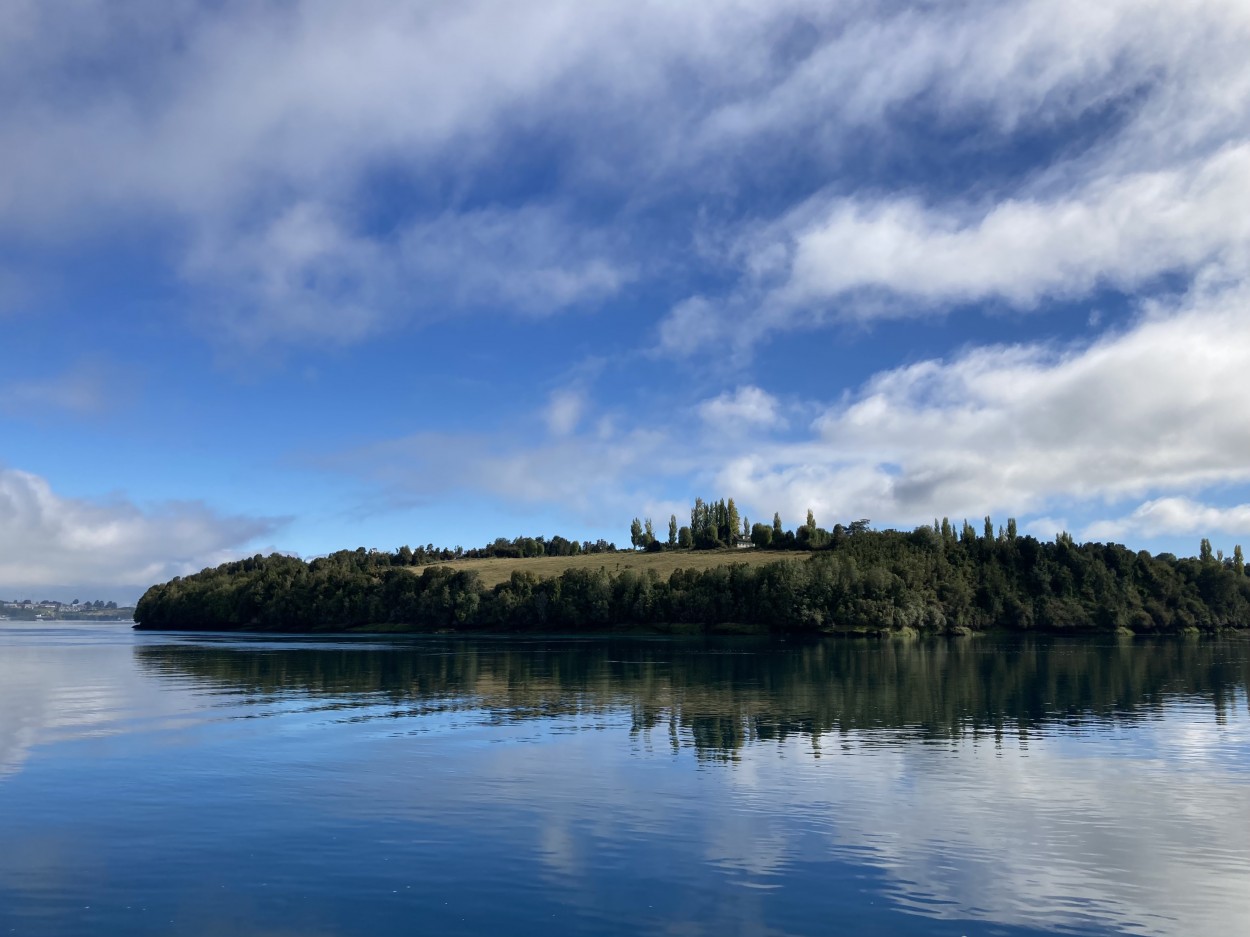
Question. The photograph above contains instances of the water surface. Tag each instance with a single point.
(225, 784)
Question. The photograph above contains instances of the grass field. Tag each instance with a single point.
(495, 571)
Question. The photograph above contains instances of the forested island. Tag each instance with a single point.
(850, 580)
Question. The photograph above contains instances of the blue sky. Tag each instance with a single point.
(312, 275)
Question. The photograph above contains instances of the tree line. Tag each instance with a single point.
(501, 547)
(715, 525)
(930, 580)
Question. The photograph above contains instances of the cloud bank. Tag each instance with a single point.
(48, 540)
(329, 172)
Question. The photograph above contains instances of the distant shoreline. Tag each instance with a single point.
(45, 615)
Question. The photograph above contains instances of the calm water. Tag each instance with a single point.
(213, 785)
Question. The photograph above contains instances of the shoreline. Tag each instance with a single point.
(722, 630)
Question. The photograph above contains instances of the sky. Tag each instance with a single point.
(303, 275)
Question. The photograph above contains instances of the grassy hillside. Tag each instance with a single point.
(496, 570)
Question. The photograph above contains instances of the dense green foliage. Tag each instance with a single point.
(501, 547)
(927, 580)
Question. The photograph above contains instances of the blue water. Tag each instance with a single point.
(215, 784)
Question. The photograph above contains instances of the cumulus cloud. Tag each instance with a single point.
(856, 258)
(1120, 232)
(1172, 516)
(1018, 427)
(747, 406)
(49, 540)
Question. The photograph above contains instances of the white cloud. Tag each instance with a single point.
(854, 258)
(564, 411)
(1148, 197)
(1039, 431)
(1154, 409)
(693, 323)
(309, 93)
(1046, 528)
(226, 121)
(291, 93)
(747, 405)
(1008, 64)
(1119, 232)
(301, 276)
(532, 259)
(307, 275)
(1172, 516)
(254, 130)
(50, 540)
